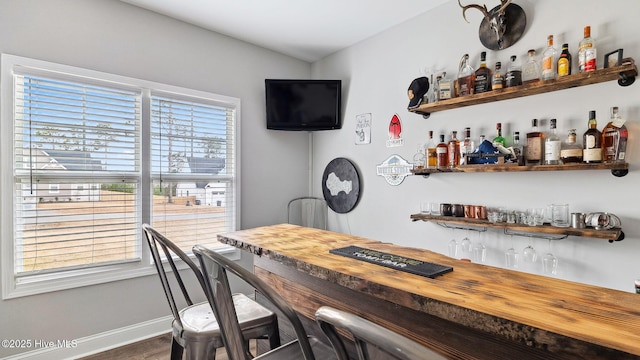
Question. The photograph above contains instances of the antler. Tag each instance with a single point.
(482, 8)
(505, 3)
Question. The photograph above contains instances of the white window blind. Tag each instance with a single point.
(193, 169)
(76, 174)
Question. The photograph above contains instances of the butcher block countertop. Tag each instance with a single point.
(508, 303)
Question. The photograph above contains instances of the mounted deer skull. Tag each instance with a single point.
(502, 26)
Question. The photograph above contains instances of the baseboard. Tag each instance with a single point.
(99, 342)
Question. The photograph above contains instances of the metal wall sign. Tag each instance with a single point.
(341, 185)
(394, 169)
(395, 132)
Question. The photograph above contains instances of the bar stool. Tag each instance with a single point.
(369, 338)
(194, 328)
(215, 266)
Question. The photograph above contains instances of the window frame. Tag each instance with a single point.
(12, 286)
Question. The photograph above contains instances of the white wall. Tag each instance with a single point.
(377, 73)
(114, 37)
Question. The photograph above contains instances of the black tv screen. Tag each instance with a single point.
(303, 104)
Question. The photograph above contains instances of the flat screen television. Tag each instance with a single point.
(303, 105)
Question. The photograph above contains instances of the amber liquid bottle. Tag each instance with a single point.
(564, 61)
(454, 150)
(483, 75)
(535, 145)
(592, 141)
(442, 150)
(614, 139)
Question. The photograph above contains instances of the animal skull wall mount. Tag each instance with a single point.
(502, 26)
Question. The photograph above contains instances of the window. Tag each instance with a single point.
(96, 155)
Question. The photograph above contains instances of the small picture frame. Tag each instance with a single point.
(613, 58)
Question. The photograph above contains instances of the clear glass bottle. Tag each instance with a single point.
(535, 145)
(446, 89)
(531, 69)
(614, 139)
(443, 154)
(432, 155)
(497, 82)
(514, 73)
(454, 150)
(518, 151)
(592, 141)
(564, 61)
(483, 75)
(549, 60)
(466, 77)
(552, 145)
(466, 146)
(419, 157)
(587, 52)
(571, 151)
(436, 90)
(499, 139)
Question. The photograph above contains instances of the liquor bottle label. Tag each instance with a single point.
(590, 155)
(563, 67)
(590, 142)
(552, 151)
(534, 149)
(547, 64)
(589, 59)
(566, 153)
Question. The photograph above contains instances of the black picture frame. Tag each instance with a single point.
(611, 61)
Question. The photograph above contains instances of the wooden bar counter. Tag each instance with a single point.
(473, 312)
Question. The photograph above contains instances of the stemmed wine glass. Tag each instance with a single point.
(550, 262)
(479, 250)
(529, 256)
(466, 247)
(453, 246)
(511, 255)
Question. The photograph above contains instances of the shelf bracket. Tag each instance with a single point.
(626, 80)
(619, 172)
(540, 236)
(619, 238)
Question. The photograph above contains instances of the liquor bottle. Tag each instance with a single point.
(432, 155)
(514, 73)
(466, 77)
(531, 69)
(571, 151)
(564, 61)
(518, 151)
(436, 90)
(483, 75)
(552, 145)
(499, 139)
(446, 89)
(497, 82)
(442, 151)
(466, 146)
(614, 138)
(535, 145)
(454, 150)
(419, 157)
(587, 52)
(592, 141)
(549, 60)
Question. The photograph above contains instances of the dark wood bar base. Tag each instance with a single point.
(456, 328)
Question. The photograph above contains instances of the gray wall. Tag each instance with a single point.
(378, 72)
(114, 37)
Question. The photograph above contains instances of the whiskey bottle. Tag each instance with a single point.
(432, 155)
(571, 151)
(614, 138)
(549, 60)
(497, 82)
(514, 73)
(592, 141)
(442, 151)
(466, 77)
(466, 147)
(535, 145)
(552, 145)
(499, 139)
(518, 152)
(483, 75)
(446, 89)
(419, 158)
(454, 150)
(587, 52)
(564, 61)
(531, 69)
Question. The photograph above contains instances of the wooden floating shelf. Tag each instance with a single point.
(611, 235)
(625, 74)
(623, 167)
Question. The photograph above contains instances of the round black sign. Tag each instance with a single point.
(341, 185)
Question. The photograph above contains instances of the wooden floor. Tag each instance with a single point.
(157, 348)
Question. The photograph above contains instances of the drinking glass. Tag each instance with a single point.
(466, 248)
(550, 263)
(425, 208)
(453, 249)
(529, 257)
(511, 256)
(479, 250)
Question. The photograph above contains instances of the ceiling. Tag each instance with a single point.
(305, 29)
